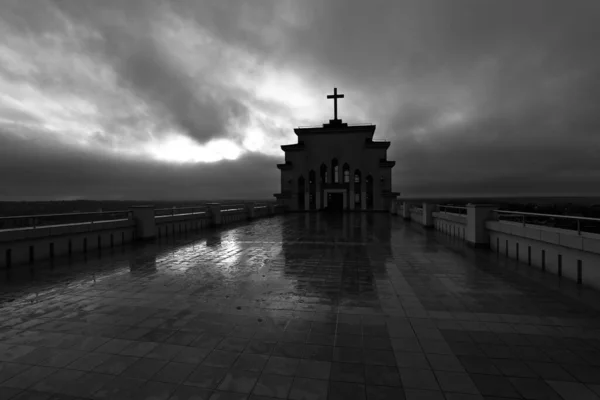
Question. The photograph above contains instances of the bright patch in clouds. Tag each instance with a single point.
(180, 149)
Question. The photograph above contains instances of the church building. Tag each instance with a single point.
(336, 167)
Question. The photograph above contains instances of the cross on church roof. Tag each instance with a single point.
(335, 96)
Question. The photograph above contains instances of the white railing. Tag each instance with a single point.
(575, 223)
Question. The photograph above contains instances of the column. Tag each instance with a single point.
(145, 223)
(406, 210)
(428, 215)
(249, 210)
(363, 193)
(394, 207)
(306, 197)
(351, 197)
(214, 211)
(476, 233)
(318, 192)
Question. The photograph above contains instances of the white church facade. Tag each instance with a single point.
(336, 167)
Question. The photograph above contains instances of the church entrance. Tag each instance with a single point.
(335, 202)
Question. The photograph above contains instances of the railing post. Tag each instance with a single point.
(249, 210)
(145, 222)
(579, 227)
(428, 215)
(476, 231)
(214, 211)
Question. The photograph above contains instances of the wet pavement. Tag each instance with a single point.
(297, 307)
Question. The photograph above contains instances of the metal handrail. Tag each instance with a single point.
(35, 217)
(525, 214)
(63, 214)
(461, 209)
(171, 210)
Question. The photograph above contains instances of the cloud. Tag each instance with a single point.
(47, 170)
(477, 96)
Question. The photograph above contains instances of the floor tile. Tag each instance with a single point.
(174, 372)
(493, 385)
(251, 362)
(573, 390)
(281, 366)
(29, 377)
(418, 379)
(144, 368)
(309, 389)
(380, 357)
(384, 393)
(347, 372)
(277, 386)
(458, 382)
(421, 394)
(259, 346)
(314, 369)
(115, 364)
(346, 391)
(206, 377)
(239, 381)
(218, 358)
(319, 353)
(184, 392)
(531, 388)
(191, 355)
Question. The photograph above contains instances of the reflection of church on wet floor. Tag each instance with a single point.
(336, 167)
(353, 251)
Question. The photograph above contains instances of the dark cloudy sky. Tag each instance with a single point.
(188, 99)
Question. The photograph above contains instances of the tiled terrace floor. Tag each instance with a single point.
(298, 307)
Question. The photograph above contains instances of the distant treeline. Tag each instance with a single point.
(15, 208)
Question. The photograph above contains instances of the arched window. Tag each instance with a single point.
(357, 176)
(335, 171)
(346, 173)
(324, 173)
(311, 177)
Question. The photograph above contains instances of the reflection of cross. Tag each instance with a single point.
(335, 96)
